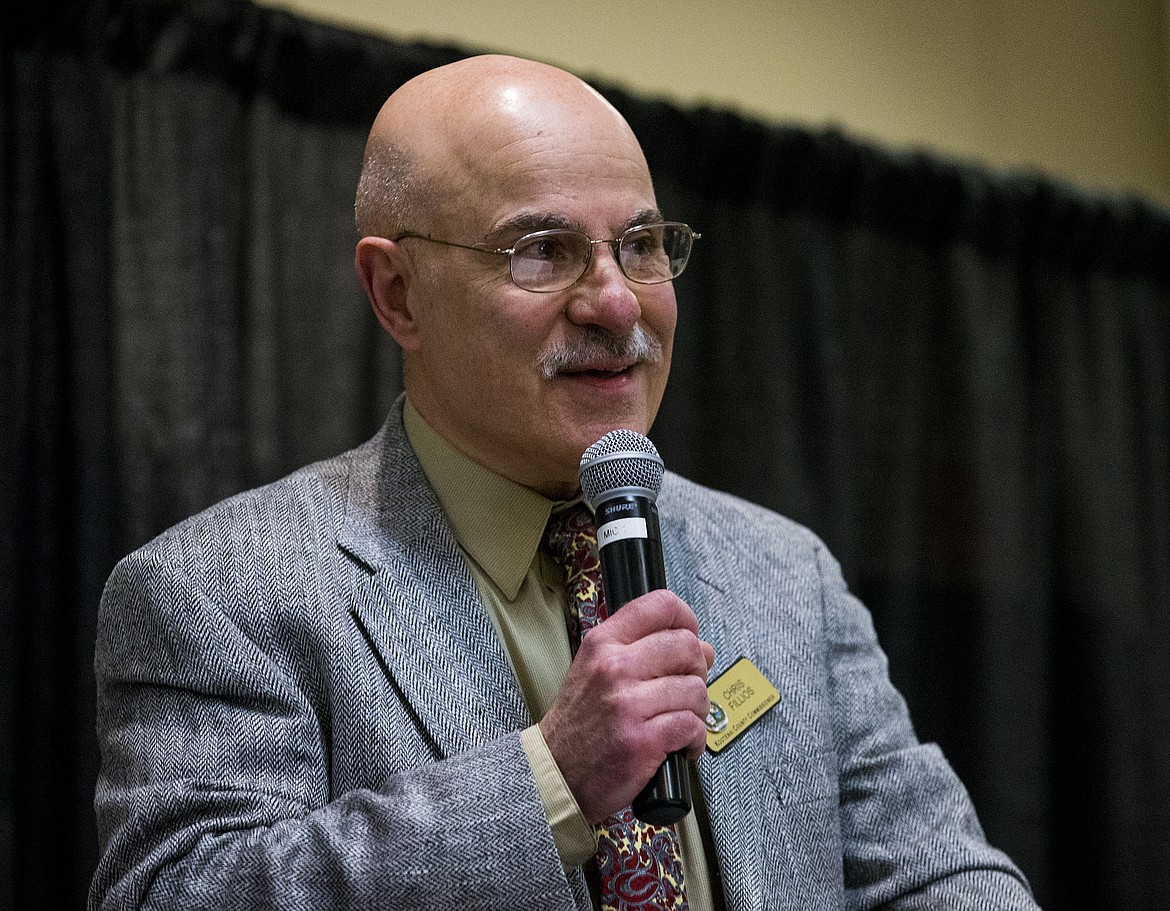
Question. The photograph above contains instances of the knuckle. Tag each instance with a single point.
(683, 640)
(610, 667)
(696, 692)
(663, 599)
(646, 745)
(622, 707)
(686, 728)
(590, 645)
(690, 652)
(698, 657)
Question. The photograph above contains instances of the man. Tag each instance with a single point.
(355, 687)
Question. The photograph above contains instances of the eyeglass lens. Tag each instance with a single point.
(554, 260)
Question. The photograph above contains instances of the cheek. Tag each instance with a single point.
(496, 348)
(465, 318)
(660, 313)
(519, 326)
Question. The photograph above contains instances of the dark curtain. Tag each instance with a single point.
(958, 378)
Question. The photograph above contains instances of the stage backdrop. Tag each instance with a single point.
(958, 378)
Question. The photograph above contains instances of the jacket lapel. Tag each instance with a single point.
(418, 603)
(730, 779)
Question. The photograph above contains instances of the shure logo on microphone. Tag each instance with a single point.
(623, 507)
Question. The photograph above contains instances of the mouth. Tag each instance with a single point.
(600, 370)
(599, 356)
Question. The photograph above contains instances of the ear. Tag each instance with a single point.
(385, 271)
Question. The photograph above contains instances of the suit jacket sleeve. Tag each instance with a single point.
(910, 836)
(257, 753)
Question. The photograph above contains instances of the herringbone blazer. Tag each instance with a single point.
(302, 704)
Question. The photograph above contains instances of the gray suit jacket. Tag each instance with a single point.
(302, 704)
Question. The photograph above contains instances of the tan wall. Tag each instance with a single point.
(1076, 88)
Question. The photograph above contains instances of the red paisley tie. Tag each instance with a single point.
(640, 865)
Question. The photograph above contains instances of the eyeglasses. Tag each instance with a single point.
(554, 260)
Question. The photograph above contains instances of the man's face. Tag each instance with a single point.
(476, 372)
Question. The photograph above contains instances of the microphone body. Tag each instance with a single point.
(621, 475)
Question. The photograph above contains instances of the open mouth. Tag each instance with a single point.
(601, 369)
(600, 372)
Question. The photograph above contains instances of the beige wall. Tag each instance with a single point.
(1077, 88)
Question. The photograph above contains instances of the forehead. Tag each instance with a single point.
(546, 169)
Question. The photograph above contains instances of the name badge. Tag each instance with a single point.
(739, 698)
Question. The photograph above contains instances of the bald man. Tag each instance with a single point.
(355, 688)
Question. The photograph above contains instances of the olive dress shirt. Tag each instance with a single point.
(499, 526)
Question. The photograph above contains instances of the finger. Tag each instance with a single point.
(650, 699)
(663, 653)
(668, 653)
(676, 732)
(656, 610)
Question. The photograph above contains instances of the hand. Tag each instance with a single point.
(635, 692)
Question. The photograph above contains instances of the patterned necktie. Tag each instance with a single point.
(640, 865)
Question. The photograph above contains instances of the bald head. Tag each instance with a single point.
(433, 143)
(462, 162)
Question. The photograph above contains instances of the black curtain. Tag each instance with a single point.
(959, 378)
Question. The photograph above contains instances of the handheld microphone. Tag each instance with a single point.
(621, 475)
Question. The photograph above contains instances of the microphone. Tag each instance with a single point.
(621, 475)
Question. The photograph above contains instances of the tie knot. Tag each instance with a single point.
(571, 537)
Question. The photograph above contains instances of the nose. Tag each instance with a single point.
(603, 296)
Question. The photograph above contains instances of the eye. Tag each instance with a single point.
(643, 242)
(550, 247)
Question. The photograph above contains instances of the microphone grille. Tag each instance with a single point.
(621, 458)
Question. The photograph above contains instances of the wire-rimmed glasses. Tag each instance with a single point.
(555, 259)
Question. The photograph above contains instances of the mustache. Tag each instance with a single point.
(594, 345)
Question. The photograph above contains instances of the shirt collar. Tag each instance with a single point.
(498, 522)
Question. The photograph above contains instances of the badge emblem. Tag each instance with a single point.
(716, 718)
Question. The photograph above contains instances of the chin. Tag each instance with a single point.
(586, 429)
(595, 432)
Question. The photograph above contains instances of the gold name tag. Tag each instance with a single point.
(739, 697)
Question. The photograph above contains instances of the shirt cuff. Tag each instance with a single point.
(575, 839)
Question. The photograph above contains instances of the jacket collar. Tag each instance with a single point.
(416, 600)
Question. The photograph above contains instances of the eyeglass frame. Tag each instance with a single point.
(614, 243)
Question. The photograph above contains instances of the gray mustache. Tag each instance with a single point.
(596, 344)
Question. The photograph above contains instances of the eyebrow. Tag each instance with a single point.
(527, 222)
(645, 217)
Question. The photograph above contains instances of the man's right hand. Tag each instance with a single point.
(635, 692)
